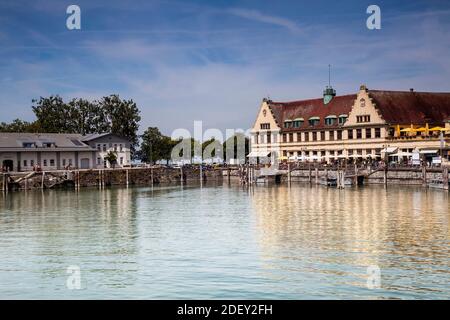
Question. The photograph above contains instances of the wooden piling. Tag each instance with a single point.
(128, 176)
(317, 175)
(42, 179)
(424, 176)
(445, 177)
(289, 172)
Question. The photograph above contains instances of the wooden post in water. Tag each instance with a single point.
(42, 179)
(424, 176)
(229, 175)
(128, 177)
(181, 171)
(4, 183)
(445, 177)
(309, 173)
(317, 175)
(151, 175)
(289, 173)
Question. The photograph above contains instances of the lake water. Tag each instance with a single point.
(226, 242)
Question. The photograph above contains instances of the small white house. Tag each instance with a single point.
(50, 151)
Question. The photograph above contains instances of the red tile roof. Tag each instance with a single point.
(396, 107)
(405, 107)
(311, 108)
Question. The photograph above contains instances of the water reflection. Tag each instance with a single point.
(342, 232)
(220, 241)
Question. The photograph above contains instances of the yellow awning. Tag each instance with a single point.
(408, 130)
(439, 129)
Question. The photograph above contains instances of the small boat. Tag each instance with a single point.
(330, 182)
(436, 183)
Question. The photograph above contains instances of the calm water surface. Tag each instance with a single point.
(223, 242)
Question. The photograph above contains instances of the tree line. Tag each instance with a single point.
(111, 114)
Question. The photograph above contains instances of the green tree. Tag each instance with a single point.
(54, 116)
(155, 146)
(124, 117)
(238, 145)
(111, 157)
(19, 126)
(89, 117)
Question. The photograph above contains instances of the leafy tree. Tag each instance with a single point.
(89, 116)
(53, 115)
(123, 116)
(111, 157)
(239, 144)
(19, 126)
(155, 146)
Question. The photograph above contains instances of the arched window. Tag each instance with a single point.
(314, 121)
(342, 118)
(330, 120)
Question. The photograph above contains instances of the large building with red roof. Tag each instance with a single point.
(372, 124)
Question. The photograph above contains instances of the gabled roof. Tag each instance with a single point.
(404, 107)
(311, 108)
(94, 136)
(64, 142)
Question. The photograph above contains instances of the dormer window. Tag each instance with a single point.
(298, 122)
(342, 118)
(330, 120)
(28, 145)
(288, 123)
(314, 121)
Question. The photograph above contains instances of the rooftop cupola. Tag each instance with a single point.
(329, 93)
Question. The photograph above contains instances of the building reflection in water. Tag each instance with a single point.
(342, 232)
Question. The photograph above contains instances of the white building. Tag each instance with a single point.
(50, 151)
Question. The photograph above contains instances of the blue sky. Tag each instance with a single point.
(215, 60)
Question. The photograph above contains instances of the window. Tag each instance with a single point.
(52, 162)
(287, 123)
(291, 137)
(299, 137)
(297, 123)
(28, 144)
(265, 126)
(314, 134)
(284, 137)
(330, 120)
(331, 135)
(47, 145)
(115, 147)
(362, 119)
(104, 147)
(339, 135)
(306, 136)
(314, 121)
(25, 163)
(45, 162)
(70, 162)
(368, 133)
(350, 133)
(342, 118)
(120, 147)
(32, 163)
(322, 135)
(64, 162)
(99, 161)
(358, 134)
(269, 138)
(99, 147)
(121, 160)
(377, 133)
(284, 153)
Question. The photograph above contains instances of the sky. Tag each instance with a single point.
(215, 61)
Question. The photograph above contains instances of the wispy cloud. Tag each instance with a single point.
(256, 15)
